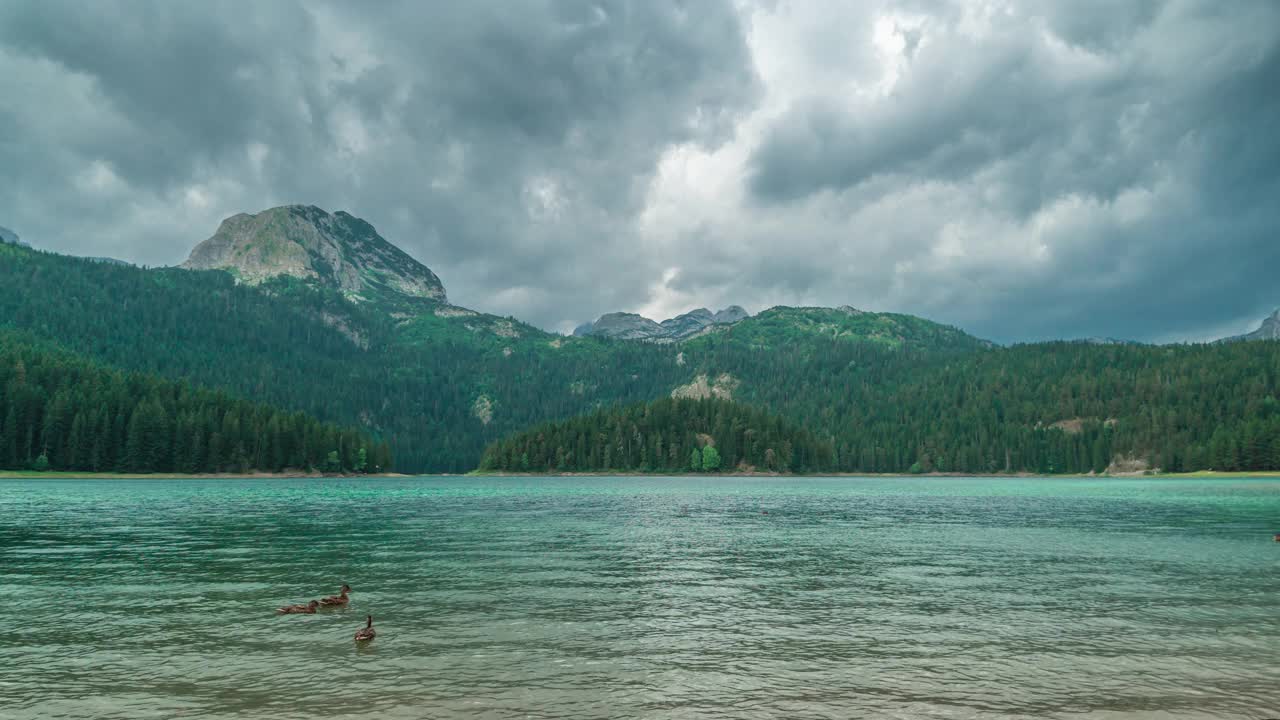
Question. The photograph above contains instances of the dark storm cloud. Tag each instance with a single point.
(1025, 170)
(1076, 103)
(959, 110)
(186, 83)
(504, 144)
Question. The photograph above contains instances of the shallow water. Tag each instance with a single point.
(642, 597)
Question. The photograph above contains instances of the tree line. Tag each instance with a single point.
(667, 436)
(914, 396)
(59, 412)
(1061, 407)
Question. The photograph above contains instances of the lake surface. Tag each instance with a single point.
(642, 597)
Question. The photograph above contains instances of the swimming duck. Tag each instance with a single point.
(308, 609)
(339, 599)
(367, 632)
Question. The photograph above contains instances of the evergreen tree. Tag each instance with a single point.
(60, 412)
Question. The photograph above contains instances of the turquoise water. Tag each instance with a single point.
(642, 597)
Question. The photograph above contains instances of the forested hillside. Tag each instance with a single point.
(60, 412)
(1051, 407)
(889, 393)
(665, 436)
(438, 387)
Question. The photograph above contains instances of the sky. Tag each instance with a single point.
(1025, 170)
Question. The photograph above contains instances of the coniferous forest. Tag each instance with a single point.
(887, 393)
(668, 436)
(58, 412)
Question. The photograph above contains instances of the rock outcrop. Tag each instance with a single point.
(703, 387)
(1128, 465)
(302, 241)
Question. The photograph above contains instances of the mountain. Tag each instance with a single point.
(694, 322)
(630, 326)
(10, 237)
(730, 315)
(623, 326)
(1269, 330)
(439, 383)
(780, 326)
(1106, 341)
(336, 250)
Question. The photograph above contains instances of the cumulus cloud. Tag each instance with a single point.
(1026, 170)
(505, 145)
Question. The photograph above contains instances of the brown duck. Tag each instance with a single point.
(308, 609)
(337, 600)
(367, 632)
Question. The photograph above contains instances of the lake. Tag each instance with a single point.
(642, 597)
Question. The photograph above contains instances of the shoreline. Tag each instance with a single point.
(80, 475)
(76, 475)
(1010, 475)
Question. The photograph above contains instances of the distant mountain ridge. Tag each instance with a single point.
(10, 237)
(631, 326)
(339, 252)
(335, 250)
(108, 260)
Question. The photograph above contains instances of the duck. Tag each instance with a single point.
(308, 609)
(339, 599)
(366, 633)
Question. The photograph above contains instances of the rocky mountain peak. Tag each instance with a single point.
(303, 241)
(1269, 330)
(729, 315)
(626, 326)
(630, 326)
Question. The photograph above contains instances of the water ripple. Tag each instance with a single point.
(656, 598)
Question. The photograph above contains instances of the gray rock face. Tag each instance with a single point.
(730, 315)
(627, 326)
(688, 324)
(630, 326)
(1270, 329)
(303, 241)
(10, 237)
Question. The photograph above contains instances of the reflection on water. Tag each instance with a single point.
(642, 597)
